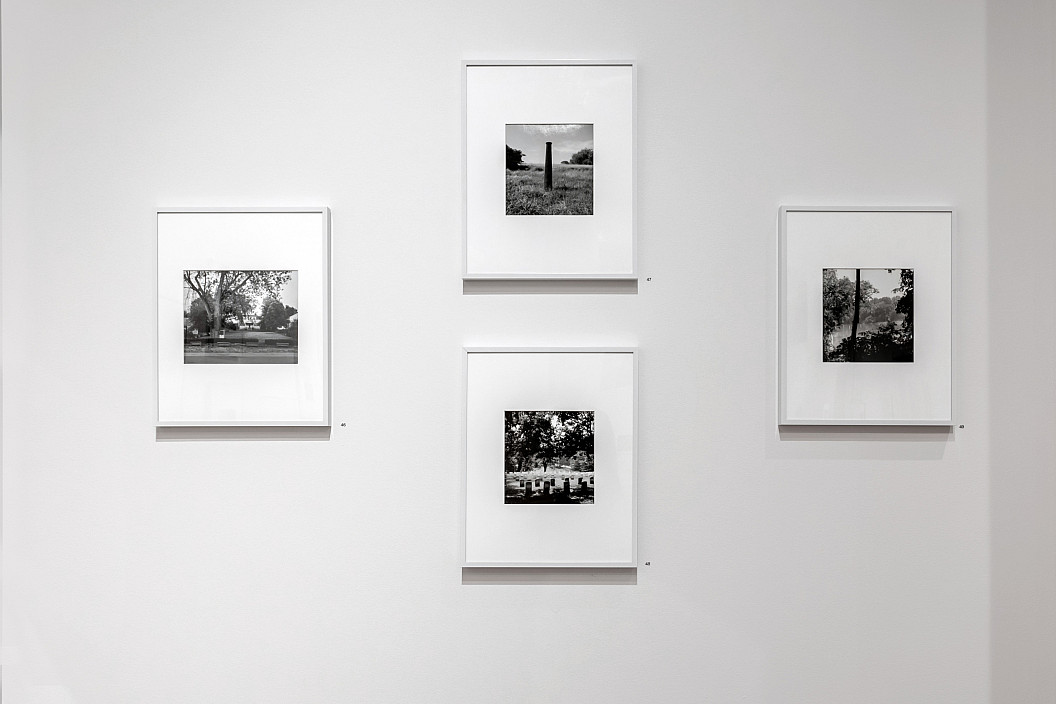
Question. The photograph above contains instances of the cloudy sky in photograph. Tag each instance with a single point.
(532, 139)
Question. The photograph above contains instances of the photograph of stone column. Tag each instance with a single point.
(239, 317)
(550, 169)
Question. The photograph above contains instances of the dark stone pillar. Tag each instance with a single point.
(548, 168)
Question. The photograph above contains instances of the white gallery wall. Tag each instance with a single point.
(1021, 199)
(809, 565)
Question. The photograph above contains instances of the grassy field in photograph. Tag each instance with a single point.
(573, 192)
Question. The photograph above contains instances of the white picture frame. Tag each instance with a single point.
(498, 95)
(232, 387)
(819, 386)
(500, 381)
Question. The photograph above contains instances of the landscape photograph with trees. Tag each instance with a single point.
(867, 315)
(549, 457)
(239, 317)
(550, 169)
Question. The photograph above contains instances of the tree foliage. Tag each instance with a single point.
(238, 306)
(273, 315)
(838, 296)
(905, 304)
(291, 326)
(198, 316)
(583, 156)
(879, 310)
(549, 437)
(514, 157)
(229, 293)
(888, 343)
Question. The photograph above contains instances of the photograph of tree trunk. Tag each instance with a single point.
(549, 457)
(867, 315)
(549, 169)
(239, 317)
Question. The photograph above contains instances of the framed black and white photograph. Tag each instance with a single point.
(865, 320)
(867, 315)
(549, 169)
(550, 457)
(536, 203)
(240, 317)
(243, 317)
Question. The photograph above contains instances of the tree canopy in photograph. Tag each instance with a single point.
(859, 324)
(583, 156)
(514, 157)
(223, 294)
(545, 437)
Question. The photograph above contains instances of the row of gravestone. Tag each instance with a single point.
(545, 485)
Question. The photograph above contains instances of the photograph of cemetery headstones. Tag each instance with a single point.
(549, 457)
(867, 315)
(549, 169)
(239, 317)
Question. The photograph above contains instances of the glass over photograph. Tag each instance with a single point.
(867, 315)
(239, 317)
(550, 169)
(549, 457)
